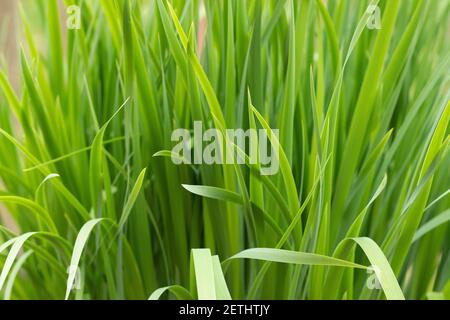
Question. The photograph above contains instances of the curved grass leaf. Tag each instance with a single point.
(15, 250)
(293, 257)
(178, 291)
(132, 199)
(78, 248)
(14, 272)
(214, 193)
(383, 269)
(34, 207)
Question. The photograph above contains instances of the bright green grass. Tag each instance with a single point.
(364, 164)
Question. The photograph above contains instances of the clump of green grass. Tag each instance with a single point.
(100, 211)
